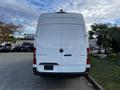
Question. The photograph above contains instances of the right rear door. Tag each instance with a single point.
(74, 46)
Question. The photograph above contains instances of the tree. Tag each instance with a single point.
(8, 29)
(12, 39)
(91, 33)
(114, 39)
(108, 36)
(101, 31)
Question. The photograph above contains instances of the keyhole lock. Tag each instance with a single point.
(61, 50)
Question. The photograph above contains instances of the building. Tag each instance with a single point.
(93, 43)
(29, 36)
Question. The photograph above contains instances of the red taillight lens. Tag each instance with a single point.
(88, 51)
(88, 58)
(34, 56)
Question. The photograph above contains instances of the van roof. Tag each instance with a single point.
(55, 18)
(60, 15)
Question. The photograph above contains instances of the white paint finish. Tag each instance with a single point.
(57, 68)
(73, 18)
(48, 44)
(66, 31)
(73, 42)
(71, 68)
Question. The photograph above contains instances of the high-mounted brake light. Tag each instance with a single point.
(34, 56)
(88, 58)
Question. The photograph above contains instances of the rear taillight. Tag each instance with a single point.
(34, 56)
(88, 58)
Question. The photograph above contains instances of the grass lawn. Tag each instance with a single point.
(106, 72)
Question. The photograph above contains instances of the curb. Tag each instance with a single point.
(94, 83)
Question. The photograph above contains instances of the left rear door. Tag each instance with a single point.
(48, 45)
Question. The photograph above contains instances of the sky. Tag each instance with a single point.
(26, 12)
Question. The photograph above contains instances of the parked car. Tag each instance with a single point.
(27, 47)
(6, 47)
(16, 48)
(1, 48)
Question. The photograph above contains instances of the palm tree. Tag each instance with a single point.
(101, 30)
(91, 33)
(108, 36)
(114, 39)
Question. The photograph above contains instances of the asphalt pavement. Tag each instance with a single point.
(16, 74)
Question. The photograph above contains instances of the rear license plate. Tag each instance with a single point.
(48, 67)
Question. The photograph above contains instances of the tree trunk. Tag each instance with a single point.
(105, 51)
(99, 51)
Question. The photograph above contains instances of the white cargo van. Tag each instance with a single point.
(61, 45)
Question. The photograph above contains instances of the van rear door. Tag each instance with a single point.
(48, 45)
(74, 46)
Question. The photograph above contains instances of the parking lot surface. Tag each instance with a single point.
(16, 74)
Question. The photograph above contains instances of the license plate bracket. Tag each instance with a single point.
(48, 67)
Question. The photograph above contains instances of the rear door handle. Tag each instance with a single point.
(67, 55)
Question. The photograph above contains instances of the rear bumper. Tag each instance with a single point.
(35, 72)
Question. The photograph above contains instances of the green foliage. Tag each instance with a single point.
(108, 36)
(91, 33)
(12, 39)
(114, 39)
